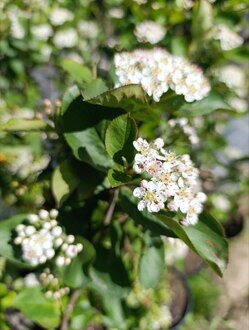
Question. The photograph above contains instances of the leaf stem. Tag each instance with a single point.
(111, 208)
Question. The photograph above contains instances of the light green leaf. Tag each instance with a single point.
(71, 94)
(214, 101)
(77, 71)
(64, 181)
(120, 135)
(22, 125)
(93, 89)
(36, 307)
(202, 18)
(151, 268)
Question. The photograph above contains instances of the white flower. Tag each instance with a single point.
(156, 70)
(42, 32)
(149, 31)
(65, 38)
(31, 280)
(228, 39)
(88, 29)
(59, 16)
(152, 196)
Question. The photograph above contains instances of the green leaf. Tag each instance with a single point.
(21, 125)
(64, 181)
(120, 135)
(206, 238)
(118, 178)
(88, 146)
(83, 124)
(202, 20)
(74, 275)
(131, 98)
(8, 249)
(37, 308)
(147, 220)
(93, 89)
(214, 101)
(77, 71)
(151, 268)
(109, 275)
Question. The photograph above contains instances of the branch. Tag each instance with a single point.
(69, 308)
(111, 208)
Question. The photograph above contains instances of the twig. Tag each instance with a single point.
(111, 208)
(69, 308)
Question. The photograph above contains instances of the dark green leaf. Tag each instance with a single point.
(147, 220)
(74, 275)
(36, 307)
(205, 238)
(120, 135)
(118, 178)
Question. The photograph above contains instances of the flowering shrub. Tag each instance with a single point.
(105, 184)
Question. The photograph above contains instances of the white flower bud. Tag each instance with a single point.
(29, 230)
(47, 225)
(42, 259)
(70, 239)
(53, 214)
(64, 247)
(57, 295)
(56, 231)
(58, 242)
(33, 218)
(53, 223)
(43, 214)
(20, 227)
(79, 247)
(71, 251)
(60, 261)
(50, 253)
(68, 261)
(18, 240)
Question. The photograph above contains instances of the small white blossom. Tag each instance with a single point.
(173, 183)
(228, 38)
(59, 16)
(42, 32)
(149, 31)
(156, 70)
(65, 38)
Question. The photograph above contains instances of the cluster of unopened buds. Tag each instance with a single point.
(52, 285)
(186, 128)
(156, 71)
(173, 182)
(49, 283)
(42, 239)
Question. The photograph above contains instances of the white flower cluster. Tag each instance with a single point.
(234, 77)
(186, 128)
(157, 71)
(173, 181)
(66, 38)
(43, 239)
(228, 38)
(162, 318)
(59, 16)
(149, 31)
(52, 285)
(88, 29)
(42, 32)
(175, 249)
